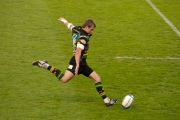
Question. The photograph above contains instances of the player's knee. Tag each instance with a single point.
(98, 79)
(64, 80)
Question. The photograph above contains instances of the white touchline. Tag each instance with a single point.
(148, 58)
(164, 17)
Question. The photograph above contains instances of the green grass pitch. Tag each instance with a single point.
(130, 29)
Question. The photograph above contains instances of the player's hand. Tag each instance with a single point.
(62, 19)
(76, 69)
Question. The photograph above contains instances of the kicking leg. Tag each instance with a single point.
(67, 76)
(61, 76)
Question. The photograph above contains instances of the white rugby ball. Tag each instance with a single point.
(128, 101)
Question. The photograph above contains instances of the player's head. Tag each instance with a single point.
(89, 25)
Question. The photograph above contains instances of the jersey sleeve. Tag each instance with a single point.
(75, 29)
(81, 43)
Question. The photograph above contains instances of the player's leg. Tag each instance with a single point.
(99, 87)
(64, 77)
(58, 73)
(98, 84)
(68, 75)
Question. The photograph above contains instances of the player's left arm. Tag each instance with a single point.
(69, 25)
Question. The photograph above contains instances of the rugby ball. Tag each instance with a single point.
(127, 101)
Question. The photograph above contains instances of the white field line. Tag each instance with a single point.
(164, 17)
(148, 58)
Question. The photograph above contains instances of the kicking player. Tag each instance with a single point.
(78, 65)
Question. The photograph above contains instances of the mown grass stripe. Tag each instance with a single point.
(150, 58)
(164, 17)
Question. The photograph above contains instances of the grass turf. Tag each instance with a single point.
(30, 30)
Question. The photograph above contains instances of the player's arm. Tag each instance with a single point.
(77, 58)
(80, 46)
(68, 24)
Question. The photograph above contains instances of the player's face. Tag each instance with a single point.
(89, 29)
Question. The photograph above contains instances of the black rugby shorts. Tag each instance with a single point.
(83, 69)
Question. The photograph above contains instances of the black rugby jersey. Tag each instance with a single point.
(77, 34)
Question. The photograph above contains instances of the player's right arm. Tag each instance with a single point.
(69, 25)
(77, 58)
(80, 47)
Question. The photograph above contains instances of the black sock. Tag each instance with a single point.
(99, 88)
(56, 72)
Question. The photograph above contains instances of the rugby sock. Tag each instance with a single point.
(56, 72)
(99, 88)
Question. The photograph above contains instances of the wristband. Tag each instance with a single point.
(69, 25)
